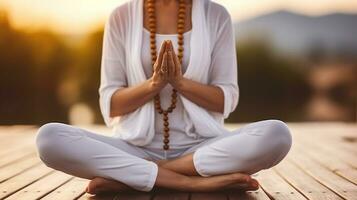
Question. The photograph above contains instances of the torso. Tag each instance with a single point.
(166, 22)
(178, 138)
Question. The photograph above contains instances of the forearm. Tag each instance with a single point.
(128, 99)
(207, 96)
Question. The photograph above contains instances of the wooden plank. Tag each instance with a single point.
(10, 130)
(18, 167)
(208, 196)
(252, 195)
(70, 190)
(13, 143)
(339, 185)
(87, 196)
(331, 162)
(135, 196)
(276, 187)
(171, 194)
(41, 187)
(16, 156)
(304, 183)
(321, 144)
(27, 177)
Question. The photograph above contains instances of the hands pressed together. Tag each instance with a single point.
(167, 68)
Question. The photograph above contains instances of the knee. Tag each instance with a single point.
(281, 140)
(47, 138)
(279, 130)
(47, 132)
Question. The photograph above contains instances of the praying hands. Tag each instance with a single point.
(167, 68)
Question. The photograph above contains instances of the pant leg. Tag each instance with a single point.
(252, 148)
(87, 155)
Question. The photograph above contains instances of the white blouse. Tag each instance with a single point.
(222, 70)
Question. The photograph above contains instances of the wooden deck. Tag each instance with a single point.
(321, 165)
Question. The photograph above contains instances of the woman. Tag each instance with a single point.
(167, 107)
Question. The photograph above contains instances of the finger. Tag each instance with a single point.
(161, 52)
(241, 178)
(242, 187)
(254, 183)
(158, 62)
(177, 64)
(170, 46)
(172, 68)
(164, 66)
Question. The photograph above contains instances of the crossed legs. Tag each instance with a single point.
(109, 165)
(252, 148)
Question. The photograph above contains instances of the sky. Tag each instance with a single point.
(82, 16)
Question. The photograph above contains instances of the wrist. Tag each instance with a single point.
(154, 86)
(179, 84)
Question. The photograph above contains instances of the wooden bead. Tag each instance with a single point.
(166, 123)
(152, 29)
(150, 4)
(166, 147)
(166, 129)
(181, 15)
(181, 26)
(180, 49)
(152, 26)
(166, 140)
(151, 10)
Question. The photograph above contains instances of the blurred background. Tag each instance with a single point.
(297, 60)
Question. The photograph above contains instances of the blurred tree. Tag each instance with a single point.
(271, 86)
(89, 71)
(32, 65)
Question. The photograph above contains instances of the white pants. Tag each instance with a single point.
(81, 153)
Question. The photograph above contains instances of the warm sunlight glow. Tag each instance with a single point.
(80, 16)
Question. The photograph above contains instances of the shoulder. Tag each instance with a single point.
(218, 12)
(119, 13)
(118, 19)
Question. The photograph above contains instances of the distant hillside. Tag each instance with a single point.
(292, 32)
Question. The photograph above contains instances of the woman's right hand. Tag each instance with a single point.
(159, 78)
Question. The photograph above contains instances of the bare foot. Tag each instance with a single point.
(101, 185)
(251, 186)
(221, 182)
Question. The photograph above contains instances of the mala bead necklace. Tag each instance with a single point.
(180, 31)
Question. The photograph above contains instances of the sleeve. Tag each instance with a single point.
(113, 72)
(224, 69)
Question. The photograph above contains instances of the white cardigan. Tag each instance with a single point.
(212, 54)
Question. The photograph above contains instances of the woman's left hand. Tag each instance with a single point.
(174, 66)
